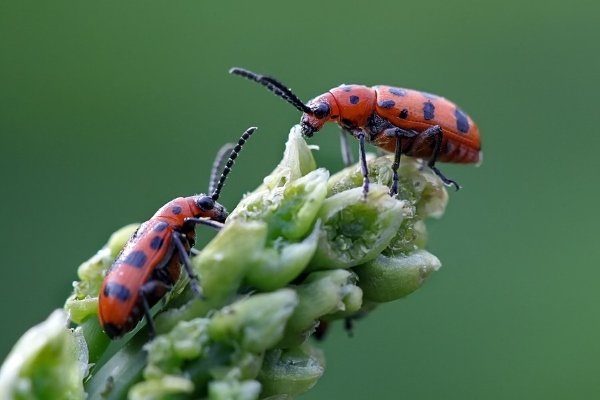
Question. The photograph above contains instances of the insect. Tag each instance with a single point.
(401, 121)
(150, 263)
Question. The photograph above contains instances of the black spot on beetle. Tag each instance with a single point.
(428, 110)
(112, 330)
(136, 259)
(462, 121)
(354, 99)
(156, 242)
(161, 226)
(176, 210)
(404, 113)
(387, 104)
(116, 290)
(397, 91)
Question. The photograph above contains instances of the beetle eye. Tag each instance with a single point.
(321, 110)
(205, 203)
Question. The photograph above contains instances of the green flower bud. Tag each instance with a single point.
(255, 323)
(353, 303)
(355, 230)
(409, 235)
(380, 173)
(420, 234)
(168, 352)
(322, 293)
(81, 309)
(424, 188)
(417, 184)
(283, 262)
(248, 363)
(291, 372)
(48, 362)
(223, 263)
(297, 161)
(290, 210)
(299, 206)
(162, 388)
(390, 278)
(233, 390)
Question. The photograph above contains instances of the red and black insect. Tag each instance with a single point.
(150, 263)
(401, 121)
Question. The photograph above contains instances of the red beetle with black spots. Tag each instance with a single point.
(150, 263)
(401, 121)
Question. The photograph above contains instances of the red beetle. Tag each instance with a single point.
(149, 264)
(401, 121)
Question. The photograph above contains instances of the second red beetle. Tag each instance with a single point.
(398, 120)
(150, 263)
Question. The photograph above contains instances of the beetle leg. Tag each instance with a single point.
(398, 134)
(147, 289)
(438, 136)
(204, 221)
(347, 156)
(349, 326)
(187, 263)
(396, 165)
(363, 162)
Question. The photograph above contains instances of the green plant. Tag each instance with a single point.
(303, 247)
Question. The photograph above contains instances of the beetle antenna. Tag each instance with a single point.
(230, 161)
(288, 92)
(278, 88)
(218, 165)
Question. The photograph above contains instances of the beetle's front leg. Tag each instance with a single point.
(360, 135)
(435, 133)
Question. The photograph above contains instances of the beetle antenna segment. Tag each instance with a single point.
(218, 164)
(230, 161)
(274, 86)
(288, 93)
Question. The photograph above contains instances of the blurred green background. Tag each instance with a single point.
(109, 109)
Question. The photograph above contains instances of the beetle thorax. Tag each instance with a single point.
(356, 104)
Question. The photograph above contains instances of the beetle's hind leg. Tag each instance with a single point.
(435, 133)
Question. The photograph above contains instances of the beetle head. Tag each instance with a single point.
(322, 109)
(209, 208)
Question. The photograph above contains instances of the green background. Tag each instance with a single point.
(108, 110)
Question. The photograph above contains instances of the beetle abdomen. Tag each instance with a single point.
(416, 111)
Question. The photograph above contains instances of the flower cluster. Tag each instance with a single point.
(303, 249)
